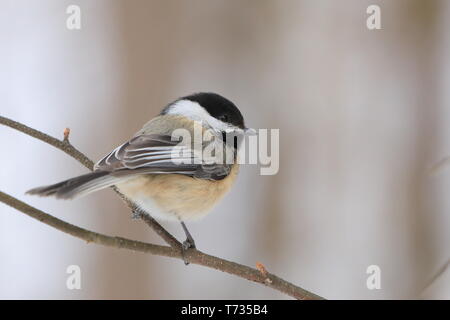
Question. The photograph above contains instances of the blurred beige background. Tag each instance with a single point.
(362, 116)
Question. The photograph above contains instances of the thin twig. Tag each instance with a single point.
(436, 276)
(192, 255)
(66, 135)
(61, 145)
(88, 236)
(152, 223)
(69, 149)
(439, 166)
(262, 269)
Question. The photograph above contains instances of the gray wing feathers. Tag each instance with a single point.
(140, 151)
(154, 153)
(144, 154)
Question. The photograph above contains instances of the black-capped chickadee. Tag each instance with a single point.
(145, 170)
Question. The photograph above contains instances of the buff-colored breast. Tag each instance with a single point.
(175, 196)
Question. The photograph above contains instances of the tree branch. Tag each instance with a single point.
(435, 277)
(69, 149)
(64, 146)
(173, 251)
(152, 223)
(88, 236)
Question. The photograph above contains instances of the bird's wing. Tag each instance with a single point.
(159, 154)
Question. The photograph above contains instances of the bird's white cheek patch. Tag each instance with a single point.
(196, 112)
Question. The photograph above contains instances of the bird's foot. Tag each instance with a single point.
(189, 243)
(135, 214)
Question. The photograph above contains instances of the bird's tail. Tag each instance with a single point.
(78, 186)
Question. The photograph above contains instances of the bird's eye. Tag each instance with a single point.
(223, 118)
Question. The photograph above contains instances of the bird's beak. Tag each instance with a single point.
(241, 132)
(249, 132)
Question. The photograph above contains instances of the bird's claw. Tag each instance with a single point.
(135, 215)
(187, 244)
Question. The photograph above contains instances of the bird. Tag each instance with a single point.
(162, 170)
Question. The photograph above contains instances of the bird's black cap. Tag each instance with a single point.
(217, 106)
